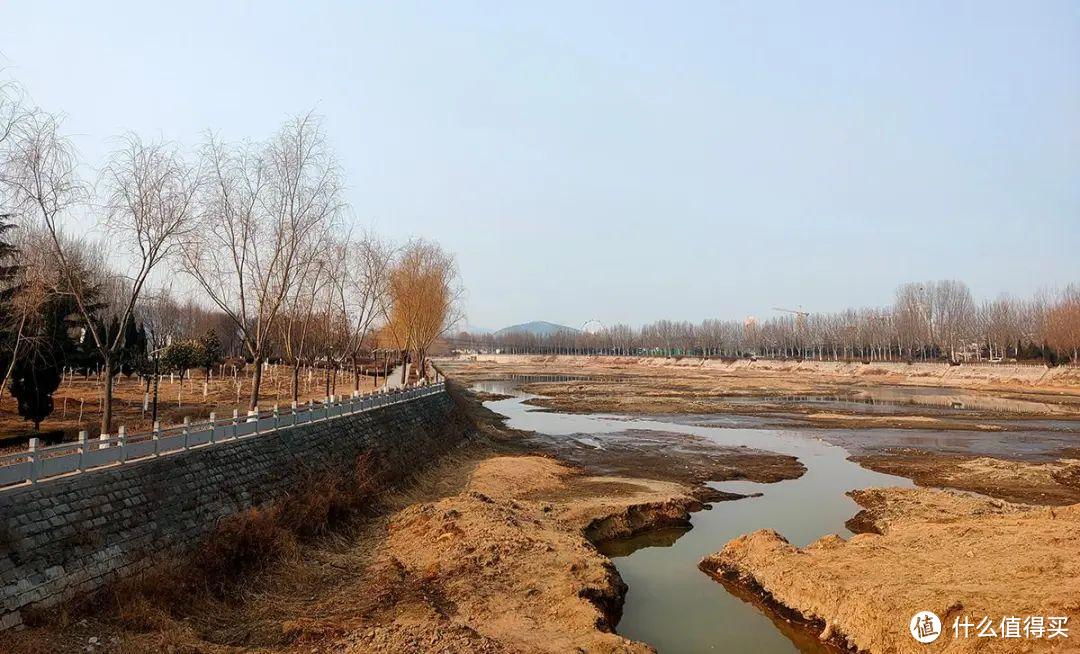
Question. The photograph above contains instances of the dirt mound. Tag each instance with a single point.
(961, 557)
(507, 565)
(885, 506)
(1049, 483)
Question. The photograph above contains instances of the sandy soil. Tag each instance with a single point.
(507, 564)
(510, 562)
(983, 398)
(953, 553)
(1050, 483)
(493, 550)
(1001, 377)
(862, 592)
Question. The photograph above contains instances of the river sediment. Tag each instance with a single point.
(965, 558)
(1003, 446)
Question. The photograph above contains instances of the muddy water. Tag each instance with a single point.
(671, 604)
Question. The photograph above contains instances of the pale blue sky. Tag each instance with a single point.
(628, 161)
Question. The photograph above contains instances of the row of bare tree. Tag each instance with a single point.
(256, 231)
(927, 321)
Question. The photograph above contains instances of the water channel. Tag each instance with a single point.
(670, 603)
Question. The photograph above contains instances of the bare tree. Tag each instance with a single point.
(298, 315)
(359, 279)
(261, 210)
(1061, 325)
(13, 112)
(39, 178)
(149, 193)
(423, 292)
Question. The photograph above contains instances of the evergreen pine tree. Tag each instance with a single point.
(8, 270)
(8, 267)
(39, 369)
(211, 351)
(133, 349)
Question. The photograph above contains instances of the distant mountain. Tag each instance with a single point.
(536, 328)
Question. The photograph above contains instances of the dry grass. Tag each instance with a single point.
(181, 606)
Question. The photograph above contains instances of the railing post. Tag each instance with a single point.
(157, 438)
(326, 405)
(104, 441)
(294, 413)
(256, 414)
(213, 428)
(235, 422)
(32, 455)
(277, 417)
(187, 431)
(122, 442)
(82, 451)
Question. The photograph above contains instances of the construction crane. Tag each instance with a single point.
(592, 326)
(800, 325)
(800, 313)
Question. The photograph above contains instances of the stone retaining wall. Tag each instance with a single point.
(73, 535)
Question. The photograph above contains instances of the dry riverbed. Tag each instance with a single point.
(818, 394)
(1011, 550)
(653, 387)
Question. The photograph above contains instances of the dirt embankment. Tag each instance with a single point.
(1045, 483)
(509, 561)
(862, 593)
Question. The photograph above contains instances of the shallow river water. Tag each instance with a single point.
(673, 605)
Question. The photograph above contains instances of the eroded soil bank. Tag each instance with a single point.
(507, 565)
(960, 556)
(1055, 482)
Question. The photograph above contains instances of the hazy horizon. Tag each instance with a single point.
(628, 162)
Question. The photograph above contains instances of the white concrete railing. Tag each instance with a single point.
(36, 464)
